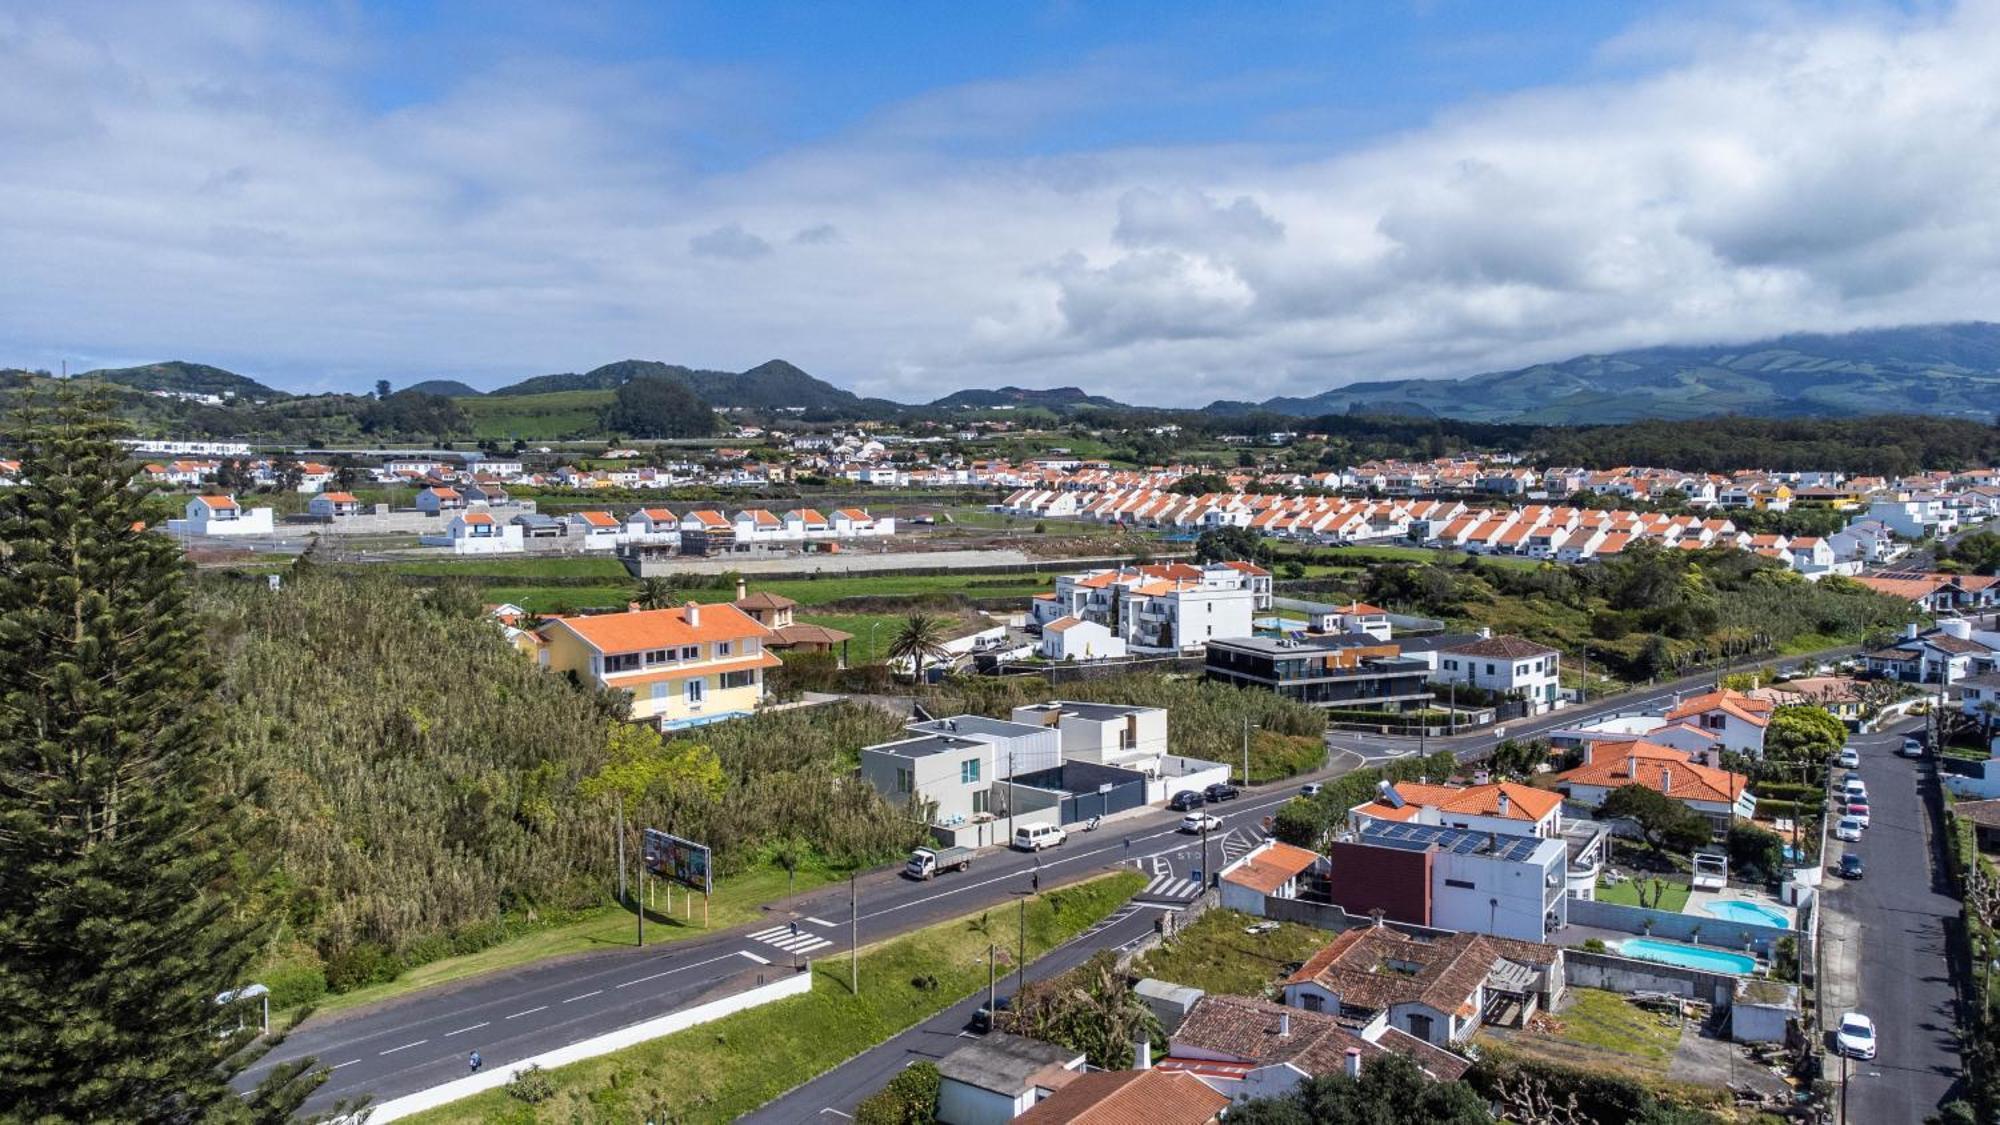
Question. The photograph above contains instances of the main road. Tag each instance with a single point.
(424, 1039)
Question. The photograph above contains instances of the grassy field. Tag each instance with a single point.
(1215, 955)
(737, 899)
(1672, 900)
(872, 632)
(565, 566)
(724, 1069)
(1602, 1029)
(534, 417)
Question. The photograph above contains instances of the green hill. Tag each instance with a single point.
(1055, 398)
(449, 388)
(776, 385)
(179, 375)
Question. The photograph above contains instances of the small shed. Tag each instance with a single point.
(1762, 1010)
(1169, 1002)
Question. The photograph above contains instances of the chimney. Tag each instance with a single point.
(1485, 633)
(1631, 762)
(1285, 1024)
(1142, 1054)
(1503, 802)
(1353, 1062)
(631, 607)
(1667, 780)
(694, 615)
(1910, 631)
(742, 590)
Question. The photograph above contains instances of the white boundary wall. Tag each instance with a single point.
(796, 984)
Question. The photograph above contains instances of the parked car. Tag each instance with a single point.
(1849, 756)
(1221, 791)
(1855, 1037)
(1858, 810)
(1848, 829)
(1855, 789)
(1201, 822)
(1850, 866)
(1035, 837)
(1184, 800)
(1310, 789)
(982, 1020)
(1911, 748)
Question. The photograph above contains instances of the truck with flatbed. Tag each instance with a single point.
(925, 863)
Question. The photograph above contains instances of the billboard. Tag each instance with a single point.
(683, 861)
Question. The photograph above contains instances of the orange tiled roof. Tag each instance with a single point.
(1748, 708)
(653, 628)
(1129, 1097)
(1614, 765)
(1272, 868)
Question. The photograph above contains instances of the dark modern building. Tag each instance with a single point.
(1352, 670)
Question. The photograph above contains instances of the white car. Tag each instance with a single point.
(1848, 828)
(1201, 822)
(1911, 748)
(1855, 789)
(1855, 1037)
(1848, 757)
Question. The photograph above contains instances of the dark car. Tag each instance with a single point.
(1850, 866)
(1221, 791)
(1185, 800)
(982, 1020)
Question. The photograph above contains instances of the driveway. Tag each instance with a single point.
(1884, 943)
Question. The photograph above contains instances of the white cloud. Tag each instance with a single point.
(242, 207)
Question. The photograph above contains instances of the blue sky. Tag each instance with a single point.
(1168, 203)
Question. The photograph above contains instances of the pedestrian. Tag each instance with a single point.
(1037, 877)
(475, 1060)
(1128, 843)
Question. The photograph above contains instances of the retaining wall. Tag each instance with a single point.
(1613, 973)
(1671, 926)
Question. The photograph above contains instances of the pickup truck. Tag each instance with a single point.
(927, 862)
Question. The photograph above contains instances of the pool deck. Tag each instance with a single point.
(1697, 903)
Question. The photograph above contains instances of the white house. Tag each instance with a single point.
(595, 531)
(438, 500)
(1733, 720)
(222, 515)
(653, 525)
(1509, 666)
(329, 504)
(1506, 807)
(997, 1077)
(1107, 734)
(477, 533)
(1073, 638)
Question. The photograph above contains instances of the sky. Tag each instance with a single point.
(1165, 203)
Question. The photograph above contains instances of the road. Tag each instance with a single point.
(422, 1040)
(1885, 943)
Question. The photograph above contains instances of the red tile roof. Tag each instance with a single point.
(1129, 1097)
(1613, 765)
(639, 630)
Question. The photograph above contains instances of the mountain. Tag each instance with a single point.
(768, 386)
(1055, 398)
(449, 388)
(1948, 369)
(179, 375)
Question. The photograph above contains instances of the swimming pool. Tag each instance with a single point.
(1688, 956)
(1739, 910)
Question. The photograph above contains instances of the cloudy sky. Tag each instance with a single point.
(1164, 203)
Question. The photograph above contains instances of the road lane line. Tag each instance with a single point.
(529, 1012)
(585, 996)
(349, 1062)
(754, 957)
(821, 922)
(671, 972)
(463, 1030)
(404, 1047)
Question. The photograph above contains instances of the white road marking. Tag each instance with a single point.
(463, 1030)
(349, 1062)
(821, 922)
(404, 1047)
(671, 972)
(529, 1012)
(754, 957)
(585, 996)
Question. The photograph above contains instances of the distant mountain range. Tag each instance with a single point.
(1947, 369)
(1951, 369)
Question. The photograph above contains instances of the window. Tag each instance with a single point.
(658, 656)
(981, 801)
(622, 662)
(905, 781)
(968, 771)
(1461, 884)
(1714, 721)
(1451, 665)
(695, 690)
(659, 693)
(691, 652)
(1420, 1026)
(743, 679)
(722, 648)
(1311, 1002)
(1489, 669)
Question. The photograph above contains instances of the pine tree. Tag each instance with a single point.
(123, 869)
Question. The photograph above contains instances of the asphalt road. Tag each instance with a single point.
(1886, 950)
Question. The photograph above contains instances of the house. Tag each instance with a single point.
(1247, 1048)
(955, 762)
(477, 533)
(1505, 806)
(1129, 1097)
(1073, 638)
(997, 1077)
(598, 531)
(1439, 991)
(1714, 792)
(1507, 666)
(653, 525)
(1453, 878)
(221, 515)
(1951, 651)
(1269, 870)
(1349, 671)
(1734, 720)
(1979, 698)
(683, 666)
(535, 525)
(1105, 734)
(774, 612)
(1157, 608)
(328, 505)
(439, 499)
(1840, 696)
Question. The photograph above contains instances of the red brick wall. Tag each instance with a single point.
(1367, 877)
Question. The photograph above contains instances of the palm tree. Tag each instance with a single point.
(920, 639)
(654, 593)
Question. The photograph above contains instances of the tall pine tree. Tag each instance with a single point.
(124, 857)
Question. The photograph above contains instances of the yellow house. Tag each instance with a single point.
(685, 666)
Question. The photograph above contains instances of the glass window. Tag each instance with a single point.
(691, 652)
(622, 662)
(905, 781)
(968, 771)
(695, 689)
(722, 648)
(657, 656)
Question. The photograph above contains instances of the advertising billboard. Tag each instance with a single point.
(684, 861)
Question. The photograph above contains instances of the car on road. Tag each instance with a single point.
(1858, 810)
(1035, 837)
(1850, 866)
(982, 1020)
(1854, 789)
(1847, 829)
(1310, 789)
(1221, 791)
(1201, 822)
(1911, 748)
(1184, 800)
(1849, 756)
(1855, 1037)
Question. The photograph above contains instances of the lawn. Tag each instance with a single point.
(1672, 899)
(1215, 955)
(1598, 1029)
(721, 1070)
(737, 899)
(558, 599)
(873, 632)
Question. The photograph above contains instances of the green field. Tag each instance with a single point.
(534, 417)
(567, 566)
(1216, 955)
(721, 1070)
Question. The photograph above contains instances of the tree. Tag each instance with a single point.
(1391, 1089)
(1092, 1009)
(1803, 733)
(1978, 552)
(1228, 544)
(655, 406)
(1667, 824)
(381, 389)
(650, 773)
(1199, 484)
(654, 593)
(125, 910)
(920, 639)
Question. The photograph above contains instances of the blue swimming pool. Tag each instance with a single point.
(1738, 910)
(1688, 956)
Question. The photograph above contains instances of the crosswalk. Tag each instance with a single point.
(1170, 888)
(799, 940)
(1238, 842)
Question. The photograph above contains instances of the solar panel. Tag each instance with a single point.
(1417, 837)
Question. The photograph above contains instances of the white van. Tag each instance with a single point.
(1035, 837)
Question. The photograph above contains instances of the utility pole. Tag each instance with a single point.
(1010, 798)
(1246, 749)
(639, 899)
(853, 933)
(1021, 959)
(1204, 852)
(992, 954)
(621, 847)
